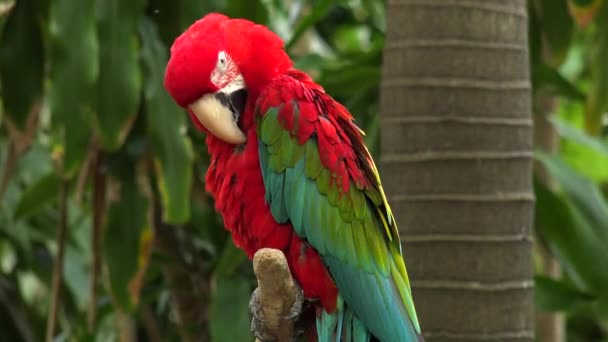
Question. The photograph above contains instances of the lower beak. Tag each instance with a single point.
(219, 113)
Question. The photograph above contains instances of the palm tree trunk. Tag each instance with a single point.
(456, 160)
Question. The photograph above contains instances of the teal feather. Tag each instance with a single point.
(353, 232)
(277, 203)
(347, 330)
(289, 187)
(363, 291)
(266, 171)
(359, 331)
(293, 190)
(360, 245)
(326, 326)
(342, 325)
(313, 221)
(309, 210)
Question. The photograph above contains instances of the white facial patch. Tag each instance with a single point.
(234, 85)
(225, 71)
(222, 61)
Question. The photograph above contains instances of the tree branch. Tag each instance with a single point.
(187, 280)
(58, 267)
(19, 141)
(277, 293)
(99, 210)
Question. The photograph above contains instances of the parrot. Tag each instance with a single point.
(289, 170)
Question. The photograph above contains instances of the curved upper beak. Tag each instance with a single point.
(220, 112)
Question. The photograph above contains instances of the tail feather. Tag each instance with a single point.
(376, 301)
(341, 326)
(326, 326)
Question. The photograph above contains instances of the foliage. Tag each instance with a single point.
(569, 54)
(83, 106)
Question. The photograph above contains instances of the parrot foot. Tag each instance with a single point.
(257, 321)
(298, 303)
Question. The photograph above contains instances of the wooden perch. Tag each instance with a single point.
(277, 294)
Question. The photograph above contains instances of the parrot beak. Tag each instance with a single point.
(219, 113)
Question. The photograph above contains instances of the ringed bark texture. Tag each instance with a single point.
(457, 160)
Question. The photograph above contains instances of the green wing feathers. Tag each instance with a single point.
(351, 226)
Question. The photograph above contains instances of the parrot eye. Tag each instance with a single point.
(225, 70)
(222, 60)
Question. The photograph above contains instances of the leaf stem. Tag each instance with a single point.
(58, 266)
(99, 210)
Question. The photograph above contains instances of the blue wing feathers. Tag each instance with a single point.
(370, 282)
(363, 291)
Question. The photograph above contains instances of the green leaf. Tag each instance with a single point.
(21, 61)
(317, 12)
(575, 244)
(38, 195)
(557, 27)
(571, 133)
(585, 160)
(309, 62)
(76, 276)
(376, 11)
(166, 125)
(583, 3)
(127, 220)
(74, 70)
(585, 196)
(534, 33)
(597, 103)
(583, 11)
(350, 79)
(120, 79)
(229, 312)
(350, 38)
(230, 259)
(192, 10)
(545, 76)
(253, 10)
(601, 306)
(554, 295)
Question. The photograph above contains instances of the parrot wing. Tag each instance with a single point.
(320, 177)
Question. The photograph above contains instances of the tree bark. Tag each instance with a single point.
(457, 160)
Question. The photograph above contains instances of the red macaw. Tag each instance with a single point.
(289, 170)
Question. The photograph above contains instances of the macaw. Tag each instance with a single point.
(289, 170)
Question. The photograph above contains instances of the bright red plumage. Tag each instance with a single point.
(234, 177)
(235, 181)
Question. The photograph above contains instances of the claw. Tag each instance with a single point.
(296, 308)
(257, 326)
(257, 321)
(255, 307)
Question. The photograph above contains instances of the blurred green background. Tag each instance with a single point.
(94, 153)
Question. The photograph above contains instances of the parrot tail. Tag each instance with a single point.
(341, 326)
(344, 326)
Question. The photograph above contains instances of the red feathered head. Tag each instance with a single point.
(217, 65)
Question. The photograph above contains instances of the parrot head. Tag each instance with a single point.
(217, 67)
